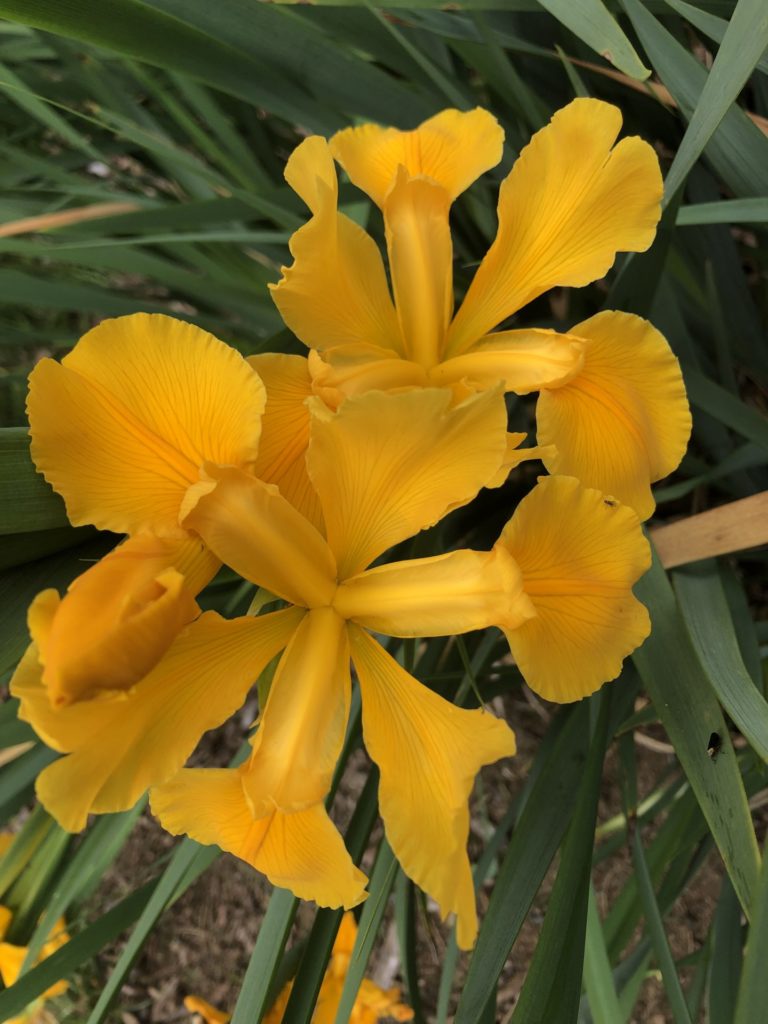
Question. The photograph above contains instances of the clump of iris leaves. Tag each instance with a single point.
(187, 112)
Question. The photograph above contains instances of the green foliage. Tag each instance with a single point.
(180, 114)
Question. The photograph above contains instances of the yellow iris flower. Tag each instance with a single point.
(373, 1003)
(612, 409)
(384, 467)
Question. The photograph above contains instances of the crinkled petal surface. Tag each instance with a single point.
(420, 262)
(285, 430)
(121, 743)
(439, 596)
(428, 752)
(301, 732)
(302, 852)
(453, 148)
(571, 202)
(120, 427)
(523, 361)
(388, 465)
(336, 290)
(256, 531)
(624, 420)
(580, 554)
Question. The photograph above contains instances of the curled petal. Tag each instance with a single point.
(388, 465)
(301, 732)
(571, 202)
(428, 752)
(453, 148)
(336, 290)
(440, 596)
(302, 851)
(118, 744)
(256, 531)
(580, 554)
(121, 426)
(349, 370)
(118, 619)
(623, 421)
(523, 361)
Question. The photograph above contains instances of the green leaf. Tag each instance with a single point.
(83, 872)
(742, 47)
(725, 966)
(27, 502)
(552, 987)
(80, 949)
(591, 21)
(256, 989)
(188, 862)
(753, 989)
(737, 149)
(690, 713)
(598, 978)
(531, 849)
(706, 613)
(658, 937)
(725, 211)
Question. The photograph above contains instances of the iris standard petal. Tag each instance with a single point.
(571, 202)
(428, 752)
(302, 852)
(420, 263)
(453, 148)
(118, 744)
(336, 290)
(525, 360)
(388, 465)
(256, 531)
(624, 420)
(285, 430)
(301, 732)
(120, 427)
(439, 596)
(580, 554)
(118, 619)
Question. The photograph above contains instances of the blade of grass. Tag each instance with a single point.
(690, 713)
(742, 47)
(591, 21)
(598, 978)
(552, 986)
(658, 937)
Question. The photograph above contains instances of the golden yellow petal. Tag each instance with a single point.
(388, 465)
(204, 1009)
(6, 915)
(439, 596)
(119, 617)
(285, 430)
(580, 554)
(302, 852)
(118, 744)
(428, 752)
(301, 732)
(120, 427)
(420, 263)
(453, 148)
(523, 361)
(516, 455)
(349, 370)
(624, 420)
(256, 531)
(336, 290)
(571, 202)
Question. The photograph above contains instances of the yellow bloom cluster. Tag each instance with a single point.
(301, 473)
